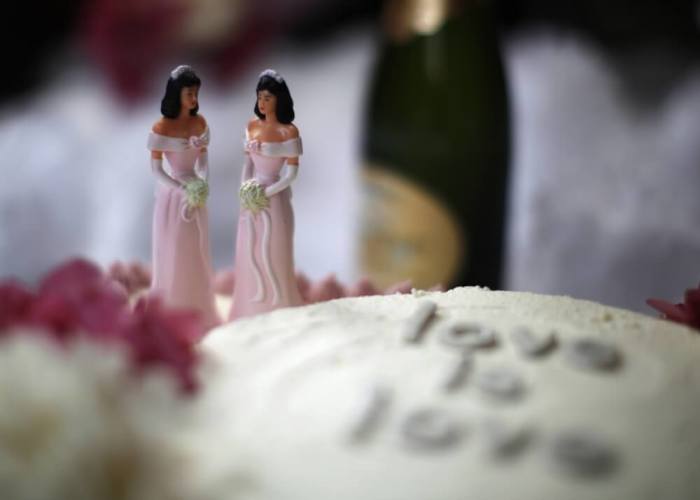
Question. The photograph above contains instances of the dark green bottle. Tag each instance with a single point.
(436, 148)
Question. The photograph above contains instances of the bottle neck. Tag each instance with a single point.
(404, 19)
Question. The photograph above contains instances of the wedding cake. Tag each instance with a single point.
(469, 393)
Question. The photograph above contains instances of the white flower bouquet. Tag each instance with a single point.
(197, 191)
(253, 196)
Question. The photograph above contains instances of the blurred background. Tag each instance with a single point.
(598, 108)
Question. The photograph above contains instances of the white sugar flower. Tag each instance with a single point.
(74, 424)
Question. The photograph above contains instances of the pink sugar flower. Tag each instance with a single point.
(77, 296)
(326, 289)
(15, 304)
(161, 337)
(77, 299)
(362, 288)
(304, 286)
(687, 312)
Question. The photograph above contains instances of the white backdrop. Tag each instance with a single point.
(604, 199)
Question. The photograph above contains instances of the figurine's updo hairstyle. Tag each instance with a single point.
(180, 77)
(273, 82)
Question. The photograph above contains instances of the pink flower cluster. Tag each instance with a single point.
(329, 288)
(78, 300)
(136, 276)
(687, 312)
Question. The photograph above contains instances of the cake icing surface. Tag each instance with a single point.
(469, 393)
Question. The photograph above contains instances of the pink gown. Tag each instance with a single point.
(182, 272)
(264, 261)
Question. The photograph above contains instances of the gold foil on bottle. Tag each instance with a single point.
(407, 18)
(407, 233)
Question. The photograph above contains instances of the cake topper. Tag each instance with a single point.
(181, 259)
(264, 259)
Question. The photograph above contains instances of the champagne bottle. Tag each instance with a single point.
(436, 147)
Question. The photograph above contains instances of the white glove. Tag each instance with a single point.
(284, 182)
(161, 174)
(202, 168)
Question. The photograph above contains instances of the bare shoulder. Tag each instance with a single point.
(201, 123)
(160, 127)
(290, 131)
(253, 127)
(253, 123)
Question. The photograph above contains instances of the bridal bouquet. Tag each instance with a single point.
(197, 191)
(253, 196)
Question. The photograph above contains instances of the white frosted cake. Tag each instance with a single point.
(468, 394)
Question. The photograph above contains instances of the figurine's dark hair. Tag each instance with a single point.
(170, 105)
(285, 105)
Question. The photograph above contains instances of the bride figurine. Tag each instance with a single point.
(264, 261)
(182, 274)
